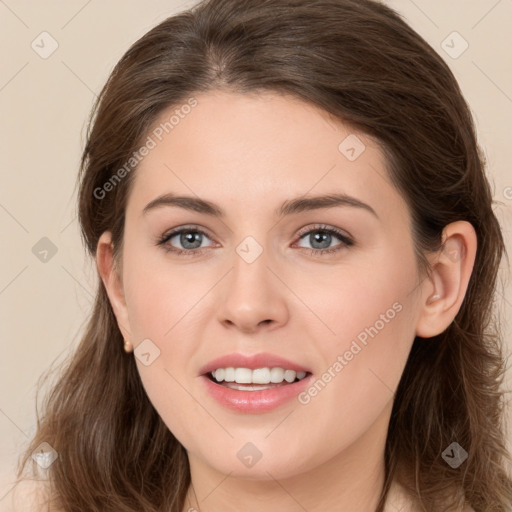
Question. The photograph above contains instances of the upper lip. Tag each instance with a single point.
(261, 360)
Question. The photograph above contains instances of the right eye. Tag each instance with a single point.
(190, 238)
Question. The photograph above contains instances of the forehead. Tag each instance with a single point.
(258, 147)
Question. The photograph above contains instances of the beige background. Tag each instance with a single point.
(45, 104)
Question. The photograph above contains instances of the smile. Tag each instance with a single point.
(250, 396)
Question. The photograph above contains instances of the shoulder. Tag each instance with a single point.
(398, 500)
(28, 495)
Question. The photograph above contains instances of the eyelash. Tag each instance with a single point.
(345, 241)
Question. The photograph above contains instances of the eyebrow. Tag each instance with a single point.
(290, 207)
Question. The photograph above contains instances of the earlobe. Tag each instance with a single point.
(445, 289)
(112, 282)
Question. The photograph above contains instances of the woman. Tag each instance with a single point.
(297, 251)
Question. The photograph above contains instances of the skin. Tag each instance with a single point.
(248, 154)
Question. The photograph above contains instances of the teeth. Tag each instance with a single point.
(257, 376)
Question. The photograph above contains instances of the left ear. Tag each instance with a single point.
(444, 290)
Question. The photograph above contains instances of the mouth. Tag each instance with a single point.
(252, 391)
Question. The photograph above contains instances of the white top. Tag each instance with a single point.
(28, 496)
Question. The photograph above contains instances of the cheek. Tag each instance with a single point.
(371, 301)
(160, 304)
(361, 374)
(372, 314)
(159, 293)
(164, 305)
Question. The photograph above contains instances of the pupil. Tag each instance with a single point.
(326, 238)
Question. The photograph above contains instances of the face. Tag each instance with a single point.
(330, 285)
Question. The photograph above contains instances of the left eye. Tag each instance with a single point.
(321, 239)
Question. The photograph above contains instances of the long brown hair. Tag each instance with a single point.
(359, 61)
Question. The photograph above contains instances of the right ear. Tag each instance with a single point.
(112, 282)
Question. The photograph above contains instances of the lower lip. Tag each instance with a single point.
(255, 402)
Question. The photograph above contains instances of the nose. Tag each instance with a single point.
(253, 297)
